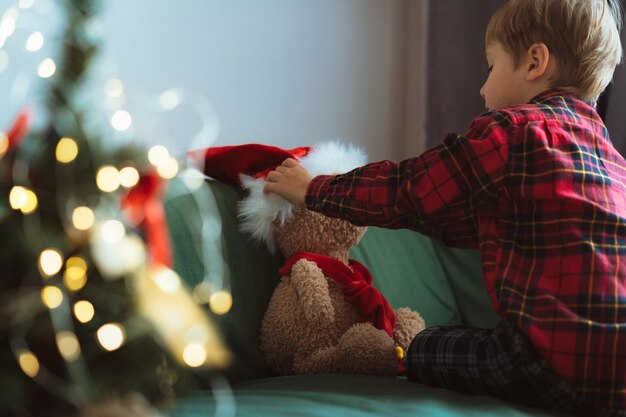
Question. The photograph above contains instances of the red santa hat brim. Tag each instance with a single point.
(248, 165)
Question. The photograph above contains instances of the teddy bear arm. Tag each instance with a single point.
(312, 288)
(408, 324)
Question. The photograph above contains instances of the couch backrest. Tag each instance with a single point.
(443, 284)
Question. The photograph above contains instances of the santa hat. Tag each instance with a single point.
(248, 165)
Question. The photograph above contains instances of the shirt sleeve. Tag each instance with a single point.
(438, 193)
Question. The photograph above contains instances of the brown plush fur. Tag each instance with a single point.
(308, 326)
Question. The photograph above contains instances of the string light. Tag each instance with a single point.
(4, 144)
(129, 177)
(83, 218)
(23, 199)
(50, 262)
(114, 88)
(17, 197)
(66, 150)
(111, 336)
(34, 42)
(112, 231)
(169, 169)
(221, 302)
(75, 276)
(158, 155)
(51, 296)
(121, 120)
(28, 363)
(47, 68)
(108, 179)
(194, 355)
(83, 311)
(68, 345)
(170, 99)
(8, 24)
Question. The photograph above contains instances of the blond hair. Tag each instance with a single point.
(582, 35)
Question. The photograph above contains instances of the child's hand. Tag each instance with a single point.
(289, 181)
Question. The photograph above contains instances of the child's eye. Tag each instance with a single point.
(489, 69)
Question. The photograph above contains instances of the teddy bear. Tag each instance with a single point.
(324, 315)
(309, 326)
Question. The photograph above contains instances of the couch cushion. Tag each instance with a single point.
(344, 395)
(409, 269)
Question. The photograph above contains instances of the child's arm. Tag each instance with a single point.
(438, 193)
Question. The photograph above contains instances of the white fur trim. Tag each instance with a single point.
(258, 210)
(333, 158)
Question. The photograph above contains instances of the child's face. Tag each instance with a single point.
(505, 85)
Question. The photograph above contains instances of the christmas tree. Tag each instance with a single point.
(86, 289)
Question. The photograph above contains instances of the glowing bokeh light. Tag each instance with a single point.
(114, 88)
(66, 150)
(47, 68)
(4, 144)
(168, 170)
(158, 155)
(51, 296)
(167, 280)
(111, 336)
(18, 197)
(84, 311)
(221, 302)
(112, 231)
(121, 120)
(50, 262)
(68, 345)
(129, 177)
(31, 202)
(75, 276)
(28, 363)
(194, 355)
(83, 218)
(108, 178)
(34, 42)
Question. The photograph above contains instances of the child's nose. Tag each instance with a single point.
(482, 91)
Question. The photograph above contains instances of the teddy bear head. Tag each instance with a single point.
(308, 231)
(271, 219)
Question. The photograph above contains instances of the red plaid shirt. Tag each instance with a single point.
(540, 190)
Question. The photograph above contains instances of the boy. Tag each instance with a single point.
(536, 185)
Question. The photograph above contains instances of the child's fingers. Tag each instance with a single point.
(273, 176)
(290, 163)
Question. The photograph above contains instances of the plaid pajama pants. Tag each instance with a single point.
(500, 362)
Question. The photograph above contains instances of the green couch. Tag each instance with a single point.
(443, 284)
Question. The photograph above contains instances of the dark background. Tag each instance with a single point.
(457, 71)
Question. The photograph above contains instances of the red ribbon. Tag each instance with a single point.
(144, 206)
(356, 281)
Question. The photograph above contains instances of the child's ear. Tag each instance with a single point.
(537, 59)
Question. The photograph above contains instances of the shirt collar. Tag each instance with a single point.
(549, 95)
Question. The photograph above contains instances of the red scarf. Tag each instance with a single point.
(356, 281)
